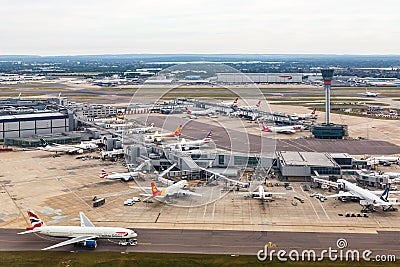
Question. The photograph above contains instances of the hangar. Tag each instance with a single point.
(38, 123)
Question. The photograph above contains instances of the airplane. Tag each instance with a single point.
(196, 113)
(233, 104)
(278, 129)
(368, 199)
(86, 234)
(161, 194)
(307, 116)
(261, 194)
(124, 177)
(251, 108)
(159, 136)
(383, 160)
(187, 145)
(370, 94)
(70, 149)
(144, 129)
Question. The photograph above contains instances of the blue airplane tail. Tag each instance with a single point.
(385, 195)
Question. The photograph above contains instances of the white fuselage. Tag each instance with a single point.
(76, 231)
(175, 188)
(69, 148)
(279, 129)
(200, 112)
(143, 130)
(188, 145)
(191, 144)
(160, 136)
(362, 193)
(261, 192)
(123, 176)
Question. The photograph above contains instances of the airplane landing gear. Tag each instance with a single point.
(368, 208)
(132, 242)
(126, 242)
(390, 208)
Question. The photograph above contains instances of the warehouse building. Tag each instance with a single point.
(300, 166)
(259, 78)
(96, 111)
(26, 125)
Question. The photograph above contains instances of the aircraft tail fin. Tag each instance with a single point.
(178, 130)
(235, 101)
(188, 111)
(385, 195)
(103, 174)
(265, 128)
(314, 110)
(258, 103)
(154, 190)
(208, 137)
(35, 220)
(43, 143)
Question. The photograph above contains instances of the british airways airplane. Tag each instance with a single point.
(86, 234)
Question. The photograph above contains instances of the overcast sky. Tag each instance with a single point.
(71, 27)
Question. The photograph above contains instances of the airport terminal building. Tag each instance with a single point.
(40, 123)
(300, 166)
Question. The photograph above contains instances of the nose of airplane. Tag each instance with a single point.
(133, 234)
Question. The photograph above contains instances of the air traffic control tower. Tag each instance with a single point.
(328, 130)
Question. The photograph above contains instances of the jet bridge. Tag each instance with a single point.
(326, 182)
(232, 181)
(183, 161)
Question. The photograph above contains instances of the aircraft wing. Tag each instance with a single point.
(148, 196)
(187, 192)
(273, 193)
(287, 131)
(343, 194)
(143, 187)
(72, 241)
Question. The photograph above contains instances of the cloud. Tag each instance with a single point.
(205, 26)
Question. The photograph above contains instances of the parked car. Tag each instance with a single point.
(129, 202)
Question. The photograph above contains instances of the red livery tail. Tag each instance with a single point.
(178, 130)
(265, 128)
(154, 190)
(35, 220)
(313, 112)
(103, 174)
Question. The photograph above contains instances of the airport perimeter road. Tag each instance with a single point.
(217, 242)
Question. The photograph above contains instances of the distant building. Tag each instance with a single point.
(259, 78)
(95, 111)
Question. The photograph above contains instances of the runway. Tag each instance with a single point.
(217, 242)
